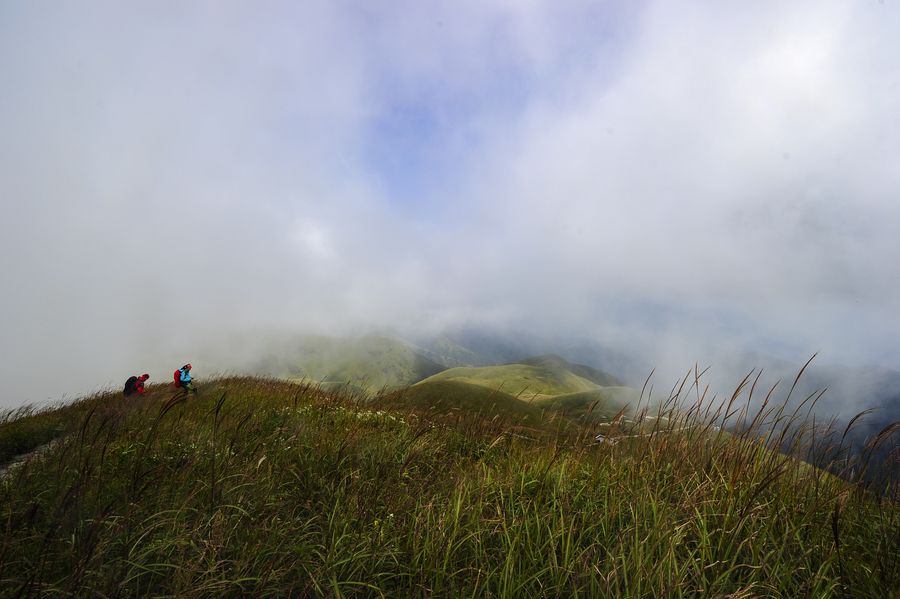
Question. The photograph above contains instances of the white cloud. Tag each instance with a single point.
(707, 170)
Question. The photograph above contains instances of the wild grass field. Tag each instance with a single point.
(266, 488)
(518, 380)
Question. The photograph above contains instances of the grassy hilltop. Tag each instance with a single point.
(263, 487)
(371, 364)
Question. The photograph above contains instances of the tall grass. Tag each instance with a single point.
(265, 488)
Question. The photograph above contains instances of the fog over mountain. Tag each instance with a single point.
(674, 180)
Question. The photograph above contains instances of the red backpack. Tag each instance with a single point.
(178, 378)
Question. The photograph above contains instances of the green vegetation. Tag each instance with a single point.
(370, 362)
(467, 399)
(519, 380)
(266, 488)
(553, 365)
(601, 405)
(30, 426)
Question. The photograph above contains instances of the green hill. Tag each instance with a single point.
(373, 362)
(486, 346)
(519, 380)
(548, 383)
(606, 402)
(551, 364)
(534, 378)
(468, 398)
(370, 362)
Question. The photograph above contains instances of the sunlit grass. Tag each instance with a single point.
(266, 488)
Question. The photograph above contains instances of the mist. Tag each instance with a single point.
(672, 176)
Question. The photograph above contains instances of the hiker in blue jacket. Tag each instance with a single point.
(185, 379)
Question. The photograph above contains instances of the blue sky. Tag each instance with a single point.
(673, 174)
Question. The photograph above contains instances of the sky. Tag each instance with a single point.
(670, 174)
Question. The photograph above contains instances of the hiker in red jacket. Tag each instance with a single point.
(135, 383)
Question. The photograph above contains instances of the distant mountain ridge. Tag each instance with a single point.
(481, 347)
(371, 361)
(467, 367)
(842, 391)
(390, 360)
(444, 351)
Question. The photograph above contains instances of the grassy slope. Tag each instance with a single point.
(264, 488)
(606, 402)
(546, 382)
(443, 395)
(552, 364)
(519, 380)
(360, 366)
(375, 362)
